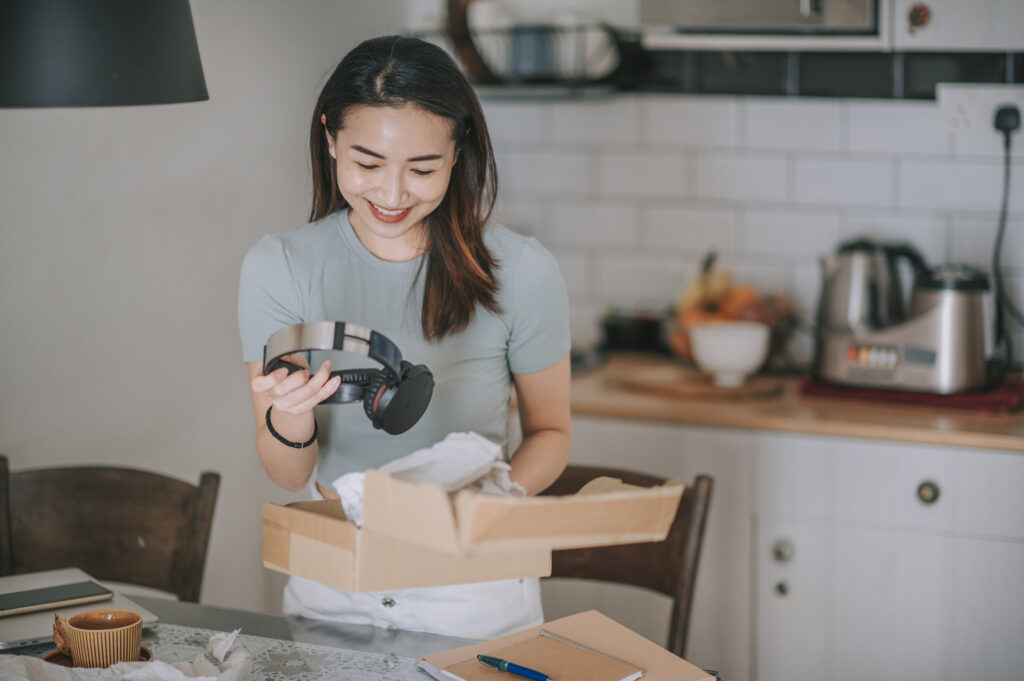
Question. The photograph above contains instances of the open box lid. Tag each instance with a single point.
(605, 512)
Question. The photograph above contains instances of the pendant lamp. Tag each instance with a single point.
(98, 53)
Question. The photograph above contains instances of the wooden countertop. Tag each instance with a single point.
(602, 392)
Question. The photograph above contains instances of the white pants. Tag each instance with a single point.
(481, 610)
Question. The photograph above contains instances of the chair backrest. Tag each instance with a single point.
(119, 524)
(668, 567)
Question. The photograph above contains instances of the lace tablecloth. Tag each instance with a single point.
(275, 659)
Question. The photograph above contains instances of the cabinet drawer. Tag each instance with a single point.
(792, 477)
(892, 484)
(855, 482)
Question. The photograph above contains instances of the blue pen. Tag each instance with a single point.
(506, 666)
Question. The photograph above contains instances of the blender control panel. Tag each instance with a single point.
(873, 356)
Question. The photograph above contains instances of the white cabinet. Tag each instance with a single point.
(904, 25)
(858, 583)
(831, 558)
(978, 25)
(988, 561)
(899, 533)
(719, 636)
(888, 603)
(988, 610)
(791, 592)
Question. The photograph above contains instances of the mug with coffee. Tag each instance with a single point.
(99, 638)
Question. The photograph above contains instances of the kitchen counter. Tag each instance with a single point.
(601, 392)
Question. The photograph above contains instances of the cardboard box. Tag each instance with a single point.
(415, 534)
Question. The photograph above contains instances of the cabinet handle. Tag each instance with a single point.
(783, 550)
(918, 16)
(928, 492)
(781, 589)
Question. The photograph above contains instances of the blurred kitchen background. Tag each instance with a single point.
(123, 228)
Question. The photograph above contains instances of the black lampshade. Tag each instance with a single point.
(98, 53)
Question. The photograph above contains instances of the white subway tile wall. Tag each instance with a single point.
(793, 125)
(742, 177)
(630, 191)
(846, 182)
(601, 224)
(607, 122)
(789, 233)
(707, 122)
(889, 128)
(689, 230)
(642, 175)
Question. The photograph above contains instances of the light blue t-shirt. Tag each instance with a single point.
(323, 272)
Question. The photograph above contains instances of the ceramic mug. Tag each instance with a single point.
(99, 638)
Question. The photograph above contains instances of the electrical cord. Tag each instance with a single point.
(1007, 120)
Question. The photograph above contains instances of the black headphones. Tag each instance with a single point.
(394, 398)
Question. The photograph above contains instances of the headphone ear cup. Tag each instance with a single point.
(361, 377)
(353, 385)
(374, 395)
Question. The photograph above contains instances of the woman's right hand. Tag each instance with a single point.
(292, 397)
(296, 393)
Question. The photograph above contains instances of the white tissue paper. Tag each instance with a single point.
(460, 461)
(233, 665)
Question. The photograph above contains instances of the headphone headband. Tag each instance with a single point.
(332, 336)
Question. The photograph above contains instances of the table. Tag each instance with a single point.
(285, 648)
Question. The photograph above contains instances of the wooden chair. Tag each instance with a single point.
(120, 524)
(668, 567)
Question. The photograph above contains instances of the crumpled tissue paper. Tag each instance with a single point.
(460, 461)
(233, 665)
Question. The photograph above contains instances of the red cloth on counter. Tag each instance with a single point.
(1006, 397)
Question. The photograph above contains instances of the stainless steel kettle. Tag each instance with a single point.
(861, 286)
(867, 337)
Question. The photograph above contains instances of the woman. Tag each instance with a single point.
(403, 186)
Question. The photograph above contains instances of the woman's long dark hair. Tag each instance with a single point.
(393, 71)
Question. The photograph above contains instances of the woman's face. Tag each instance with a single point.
(393, 167)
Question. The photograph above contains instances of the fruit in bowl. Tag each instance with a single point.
(715, 297)
(730, 350)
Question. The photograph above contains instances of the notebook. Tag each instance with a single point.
(601, 638)
(30, 628)
(555, 656)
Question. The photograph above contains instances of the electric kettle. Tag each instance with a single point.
(861, 285)
(867, 336)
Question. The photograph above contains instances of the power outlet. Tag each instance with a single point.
(969, 109)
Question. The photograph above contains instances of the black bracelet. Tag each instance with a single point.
(284, 441)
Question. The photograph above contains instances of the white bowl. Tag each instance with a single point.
(729, 351)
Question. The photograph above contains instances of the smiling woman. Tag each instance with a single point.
(399, 242)
(402, 88)
(393, 171)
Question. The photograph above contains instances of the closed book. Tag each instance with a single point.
(557, 657)
(616, 652)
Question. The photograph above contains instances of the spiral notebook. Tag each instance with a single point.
(558, 657)
(587, 645)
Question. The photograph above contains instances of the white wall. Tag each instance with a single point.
(630, 191)
(121, 235)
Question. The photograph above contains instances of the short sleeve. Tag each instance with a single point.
(537, 308)
(268, 298)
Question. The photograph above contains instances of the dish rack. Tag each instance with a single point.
(530, 53)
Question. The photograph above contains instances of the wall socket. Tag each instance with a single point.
(970, 109)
